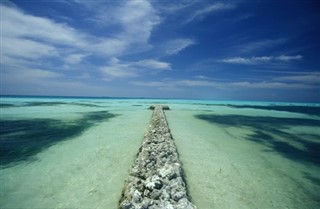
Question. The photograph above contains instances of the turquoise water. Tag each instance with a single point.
(76, 152)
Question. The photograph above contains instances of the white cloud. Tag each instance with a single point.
(152, 83)
(171, 7)
(288, 58)
(117, 69)
(16, 23)
(39, 73)
(108, 47)
(253, 46)
(31, 42)
(26, 49)
(27, 37)
(120, 69)
(75, 58)
(138, 19)
(85, 3)
(201, 13)
(252, 60)
(238, 60)
(29, 75)
(269, 85)
(235, 85)
(308, 78)
(153, 64)
(260, 60)
(203, 77)
(135, 21)
(241, 17)
(45, 82)
(132, 22)
(195, 83)
(175, 46)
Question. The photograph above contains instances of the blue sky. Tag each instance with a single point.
(224, 50)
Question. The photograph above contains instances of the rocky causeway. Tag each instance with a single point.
(156, 179)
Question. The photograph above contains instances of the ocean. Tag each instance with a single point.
(59, 152)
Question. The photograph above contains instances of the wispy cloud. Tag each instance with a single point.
(75, 58)
(28, 75)
(203, 77)
(19, 48)
(153, 83)
(241, 18)
(131, 22)
(120, 69)
(32, 42)
(18, 24)
(152, 64)
(135, 20)
(241, 60)
(236, 85)
(29, 37)
(288, 58)
(254, 46)
(206, 65)
(201, 13)
(134, 44)
(138, 18)
(307, 78)
(174, 6)
(45, 82)
(176, 45)
(261, 60)
(35, 49)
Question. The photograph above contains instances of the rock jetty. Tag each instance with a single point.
(156, 178)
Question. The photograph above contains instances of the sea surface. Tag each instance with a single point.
(59, 152)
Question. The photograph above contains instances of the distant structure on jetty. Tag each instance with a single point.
(156, 178)
(164, 107)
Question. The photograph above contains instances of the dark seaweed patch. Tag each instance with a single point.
(258, 122)
(87, 105)
(44, 103)
(6, 105)
(309, 110)
(98, 116)
(314, 180)
(21, 139)
(268, 131)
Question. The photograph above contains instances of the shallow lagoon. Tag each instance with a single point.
(76, 152)
(249, 158)
(76, 157)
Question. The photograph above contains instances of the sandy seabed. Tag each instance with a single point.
(233, 167)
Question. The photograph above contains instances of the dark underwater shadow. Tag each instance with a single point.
(309, 110)
(268, 131)
(22, 139)
(6, 105)
(314, 180)
(39, 104)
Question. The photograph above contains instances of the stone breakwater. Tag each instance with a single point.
(156, 178)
